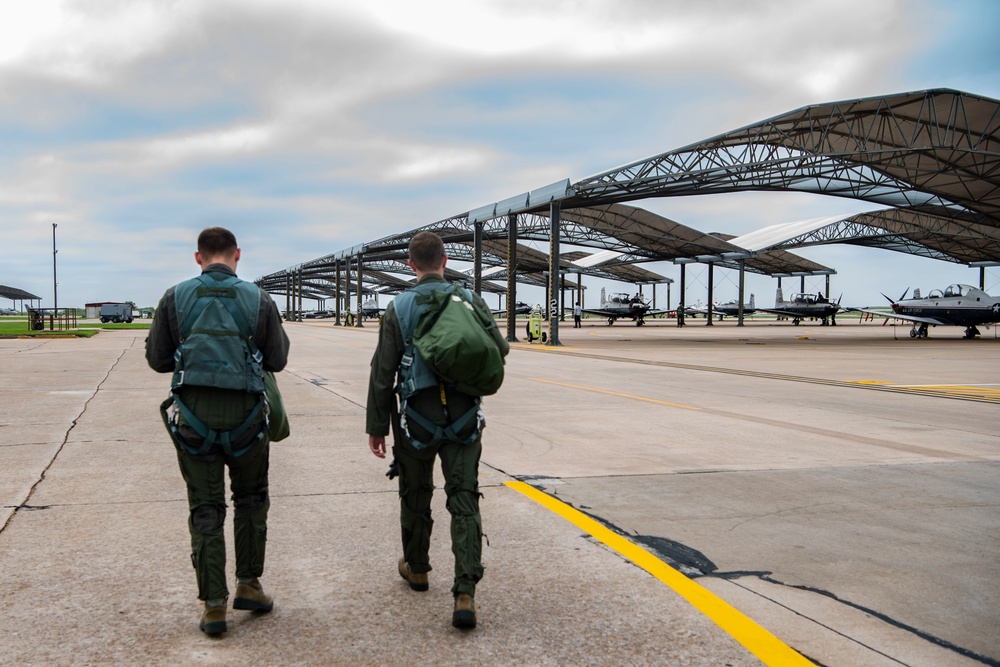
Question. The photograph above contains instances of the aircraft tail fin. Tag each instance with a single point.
(752, 305)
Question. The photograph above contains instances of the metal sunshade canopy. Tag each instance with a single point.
(16, 294)
(901, 230)
(937, 150)
(933, 153)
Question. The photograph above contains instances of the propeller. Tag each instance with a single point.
(904, 294)
(890, 300)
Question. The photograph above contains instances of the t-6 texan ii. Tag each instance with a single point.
(958, 305)
(622, 306)
(804, 307)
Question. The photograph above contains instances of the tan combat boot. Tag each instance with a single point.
(418, 582)
(465, 612)
(251, 597)
(213, 619)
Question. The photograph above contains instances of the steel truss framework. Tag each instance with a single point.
(908, 231)
(932, 155)
(935, 149)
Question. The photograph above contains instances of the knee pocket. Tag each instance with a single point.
(248, 503)
(464, 501)
(208, 518)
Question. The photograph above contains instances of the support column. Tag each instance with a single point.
(828, 288)
(982, 278)
(711, 288)
(579, 291)
(511, 277)
(288, 295)
(739, 305)
(358, 318)
(562, 299)
(347, 289)
(477, 263)
(680, 302)
(555, 218)
(336, 265)
(299, 318)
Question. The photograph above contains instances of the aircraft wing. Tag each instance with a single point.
(897, 316)
(775, 312)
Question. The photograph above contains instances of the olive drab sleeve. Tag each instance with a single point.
(162, 341)
(382, 379)
(269, 330)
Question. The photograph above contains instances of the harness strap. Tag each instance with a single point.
(211, 436)
(440, 433)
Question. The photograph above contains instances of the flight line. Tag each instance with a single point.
(980, 394)
(760, 642)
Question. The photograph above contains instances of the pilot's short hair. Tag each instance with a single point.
(216, 242)
(426, 251)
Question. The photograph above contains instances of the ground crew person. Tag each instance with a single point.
(222, 410)
(459, 462)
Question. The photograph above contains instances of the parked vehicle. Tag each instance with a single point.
(116, 312)
(8, 311)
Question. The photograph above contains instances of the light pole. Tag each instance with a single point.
(55, 291)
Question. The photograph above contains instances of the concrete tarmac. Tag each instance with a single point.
(835, 484)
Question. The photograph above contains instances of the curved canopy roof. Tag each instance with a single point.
(902, 230)
(937, 150)
(933, 155)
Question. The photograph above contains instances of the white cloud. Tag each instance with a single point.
(84, 40)
(228, 142)
(334, 122)
(420, 162)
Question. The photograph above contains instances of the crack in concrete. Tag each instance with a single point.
(694, 564)
(24, 504)
(926, 636)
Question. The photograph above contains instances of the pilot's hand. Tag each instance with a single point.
(376, 443)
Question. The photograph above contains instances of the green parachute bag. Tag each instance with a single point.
(454, 340)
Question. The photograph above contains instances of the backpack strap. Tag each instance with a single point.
(210, 436)
(442, 433)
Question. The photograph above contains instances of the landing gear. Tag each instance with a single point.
(639, 322)
(611, 320)
(971, 332)
(795, 321)
(918, 332)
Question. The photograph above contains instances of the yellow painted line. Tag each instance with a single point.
(616, 393)
(768, 648)
(950, 387)
(542, 347)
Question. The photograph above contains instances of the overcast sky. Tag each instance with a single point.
(308, 126)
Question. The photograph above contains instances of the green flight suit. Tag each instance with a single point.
(204, 475)
(459, 463)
